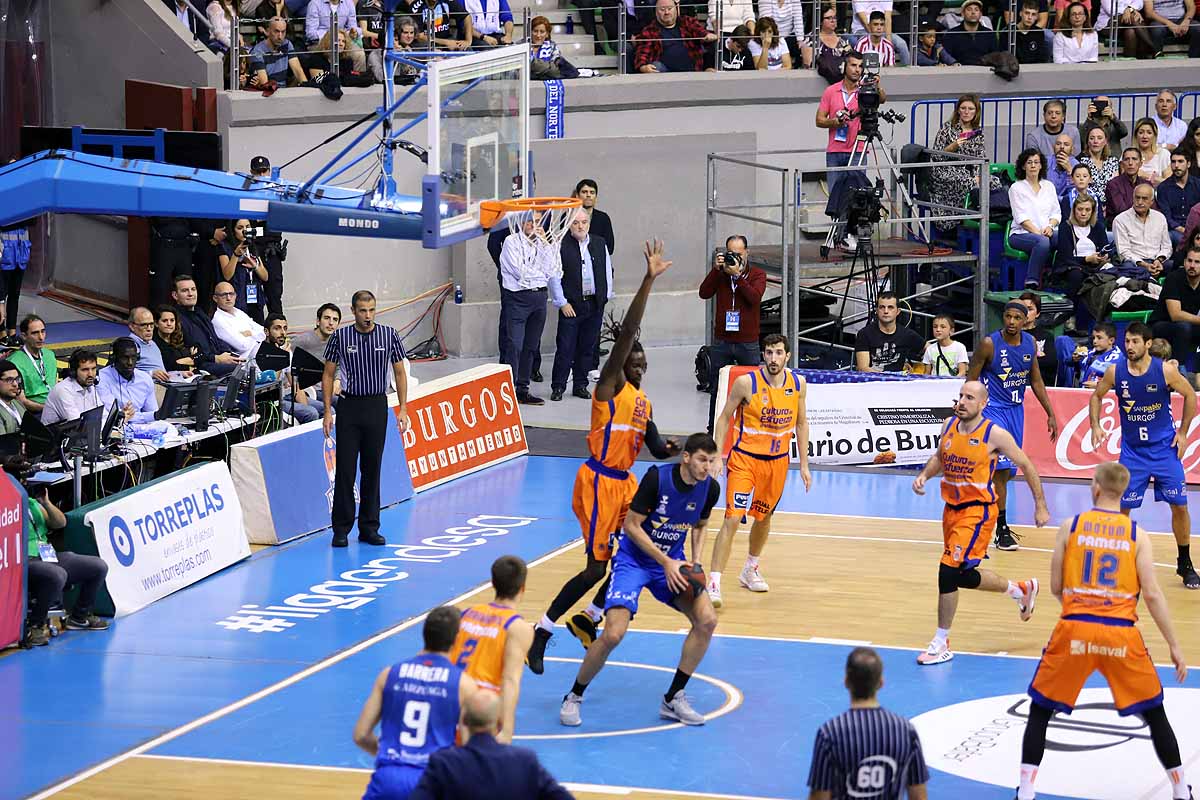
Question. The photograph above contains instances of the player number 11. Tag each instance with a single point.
(1108, 567)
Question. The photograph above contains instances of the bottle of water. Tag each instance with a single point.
(458, 295)
(570, 24)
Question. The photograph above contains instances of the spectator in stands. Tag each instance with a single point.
(273, 58)
(242, 267)
(1104, 353)
(1082, 183)
(1076, 42)
(671, 43)
(1190, 145)
(962, 135)
(876, 42)
(944, 356)
(370, 22)
(1176, 318)
(1118, 193)
(177, 355)
(150, 358)
(930, 52)
(735, 51)
(731, 13)
(1132, 28)
(1035, 212)
(608, 17)
(882, 345)
(1043, 337)
(736, 288)
(12, 412)
(220, 20)
(1032, 46)
(1061, 163)
(1141, 235)
(1178, 195)
(1097, 158)
(527, 260)
(1156, 161)
(825, 47)
(1171, 129)
(295, 401)
(491, 22)
(1192, 239)
(544, 53)
(1174, 20)
(407, 30)
(768, 48)
(123, 384)
(75, 393)
(1081, 245)
(789, 18)
(1102, 115)
(1054, 117)
(580, 294)
(317, 23)
(861, 25)
(452, 27)
(970, 41)
(233, 325)
(329, 316)
(51, 570)
(210, 352)
(189, 19)
(36, 362)
(415, 10)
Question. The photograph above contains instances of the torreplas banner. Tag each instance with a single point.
(169, 535)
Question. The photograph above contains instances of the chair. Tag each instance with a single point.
(1016, 262)
(968, 235)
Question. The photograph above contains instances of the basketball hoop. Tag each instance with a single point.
(550, 214)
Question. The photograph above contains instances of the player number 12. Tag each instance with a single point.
(1108, 568)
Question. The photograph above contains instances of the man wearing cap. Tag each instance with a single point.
(273, 246)
(970, 41)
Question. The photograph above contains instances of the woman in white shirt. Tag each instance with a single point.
(1156, 161)
(220, 19)
(1075, 44)
(768, 48)
(1035, 212)
(789, 18)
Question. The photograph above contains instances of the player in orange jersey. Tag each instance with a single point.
(1099, 568)
(769, 405)
(621, 421)
(966, 459)
(492, 640)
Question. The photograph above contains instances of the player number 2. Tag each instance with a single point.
(872, 776)
(1016, 395)
(468, 648)
(416, 723)
(1108, 568)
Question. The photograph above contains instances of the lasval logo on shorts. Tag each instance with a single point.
(1078, 648)
(741, 499)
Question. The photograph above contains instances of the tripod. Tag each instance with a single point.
(862, 264)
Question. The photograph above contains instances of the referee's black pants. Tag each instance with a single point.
(361, 427)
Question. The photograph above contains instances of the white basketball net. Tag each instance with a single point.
(550, 224)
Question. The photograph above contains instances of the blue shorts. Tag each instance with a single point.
(629, 578)
(1012, 419)
(393, 782)
(1160, 463)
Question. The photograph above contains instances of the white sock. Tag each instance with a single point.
(1028, 775)
(594, 613)
(942, 636)
(1179, 787)
(546, 624)
(714, 578)
(1014, 590)
(751, 562)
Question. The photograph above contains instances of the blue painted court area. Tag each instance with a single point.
(83, 331)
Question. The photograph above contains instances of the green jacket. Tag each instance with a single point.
(39, 530)
(37, 388)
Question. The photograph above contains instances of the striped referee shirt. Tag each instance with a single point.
(365, 359)
(867, 754)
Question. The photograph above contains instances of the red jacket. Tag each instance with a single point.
(649, 42)
(744, 295)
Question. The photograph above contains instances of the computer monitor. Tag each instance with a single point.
(110, 422)
(244, 374)
(202, 403)
(177, 401)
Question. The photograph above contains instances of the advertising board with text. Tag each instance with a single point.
(13, 560)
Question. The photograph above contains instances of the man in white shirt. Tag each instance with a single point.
(233, 325)
(527, 260)
(1141, 234)
(579, 289)
(1171, 128)
(74, 394)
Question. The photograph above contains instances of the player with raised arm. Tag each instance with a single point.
(621, 421)
(770, 407)
(966, 459)
(1151, 447)
(1099, 568)
(1006, 362)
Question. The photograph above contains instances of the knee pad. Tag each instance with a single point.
(969, 578)
(951, 579)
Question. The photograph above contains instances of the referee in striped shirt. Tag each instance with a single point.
(364, 353)
(867, 753)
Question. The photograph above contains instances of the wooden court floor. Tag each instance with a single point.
(841, 578)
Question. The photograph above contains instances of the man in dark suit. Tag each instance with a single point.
(580, 294)
(484, 769)
(587, 190)
(188, 18)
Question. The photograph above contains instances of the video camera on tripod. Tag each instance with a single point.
(870, 99)
(864, 209)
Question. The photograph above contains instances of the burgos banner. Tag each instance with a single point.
(169, 535)
(462, 423)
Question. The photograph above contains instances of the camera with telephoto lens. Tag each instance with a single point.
(732, 259)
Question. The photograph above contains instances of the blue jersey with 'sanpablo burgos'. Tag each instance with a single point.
(1006, 376)
(1144, 405)
(669, 523)
(420, 710)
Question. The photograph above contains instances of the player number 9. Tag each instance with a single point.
(416, 723)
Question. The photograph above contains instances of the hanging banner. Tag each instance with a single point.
(13, 561)
(556, 123)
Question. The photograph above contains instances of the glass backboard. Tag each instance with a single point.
(478, 139)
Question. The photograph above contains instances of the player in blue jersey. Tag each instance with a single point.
(1006, 362)
(417, 705)
(672, 500)
(1151, 447)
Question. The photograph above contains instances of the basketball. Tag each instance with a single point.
(695, 575)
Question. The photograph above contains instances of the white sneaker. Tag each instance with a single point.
(594, 376)
(849, 243)
(1028, 599)
(568, 714)
(679, 709)
(714, 591)
(936, 653)
(752, 580)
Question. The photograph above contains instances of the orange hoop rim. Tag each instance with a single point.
(490, 211)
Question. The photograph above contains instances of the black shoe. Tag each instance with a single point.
(536, 377)
(38, 637)
(339, 540)
(581, 393)
(583, 629)
(371, 538)
(537, 651)
(556, 395)
(603, 352)
(1006, 539)
(530, 400)
(1185, 570)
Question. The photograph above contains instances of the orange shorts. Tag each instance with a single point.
(1078, 648)
(600, 503)
(753, 486)
(967, 532)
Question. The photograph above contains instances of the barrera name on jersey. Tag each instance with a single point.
(767, 420)
(420, 710)
(1006, 376)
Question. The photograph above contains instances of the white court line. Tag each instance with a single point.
(270, 690)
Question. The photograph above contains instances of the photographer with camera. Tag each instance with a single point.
(736, 289)
(272, 246)
(244, 269)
